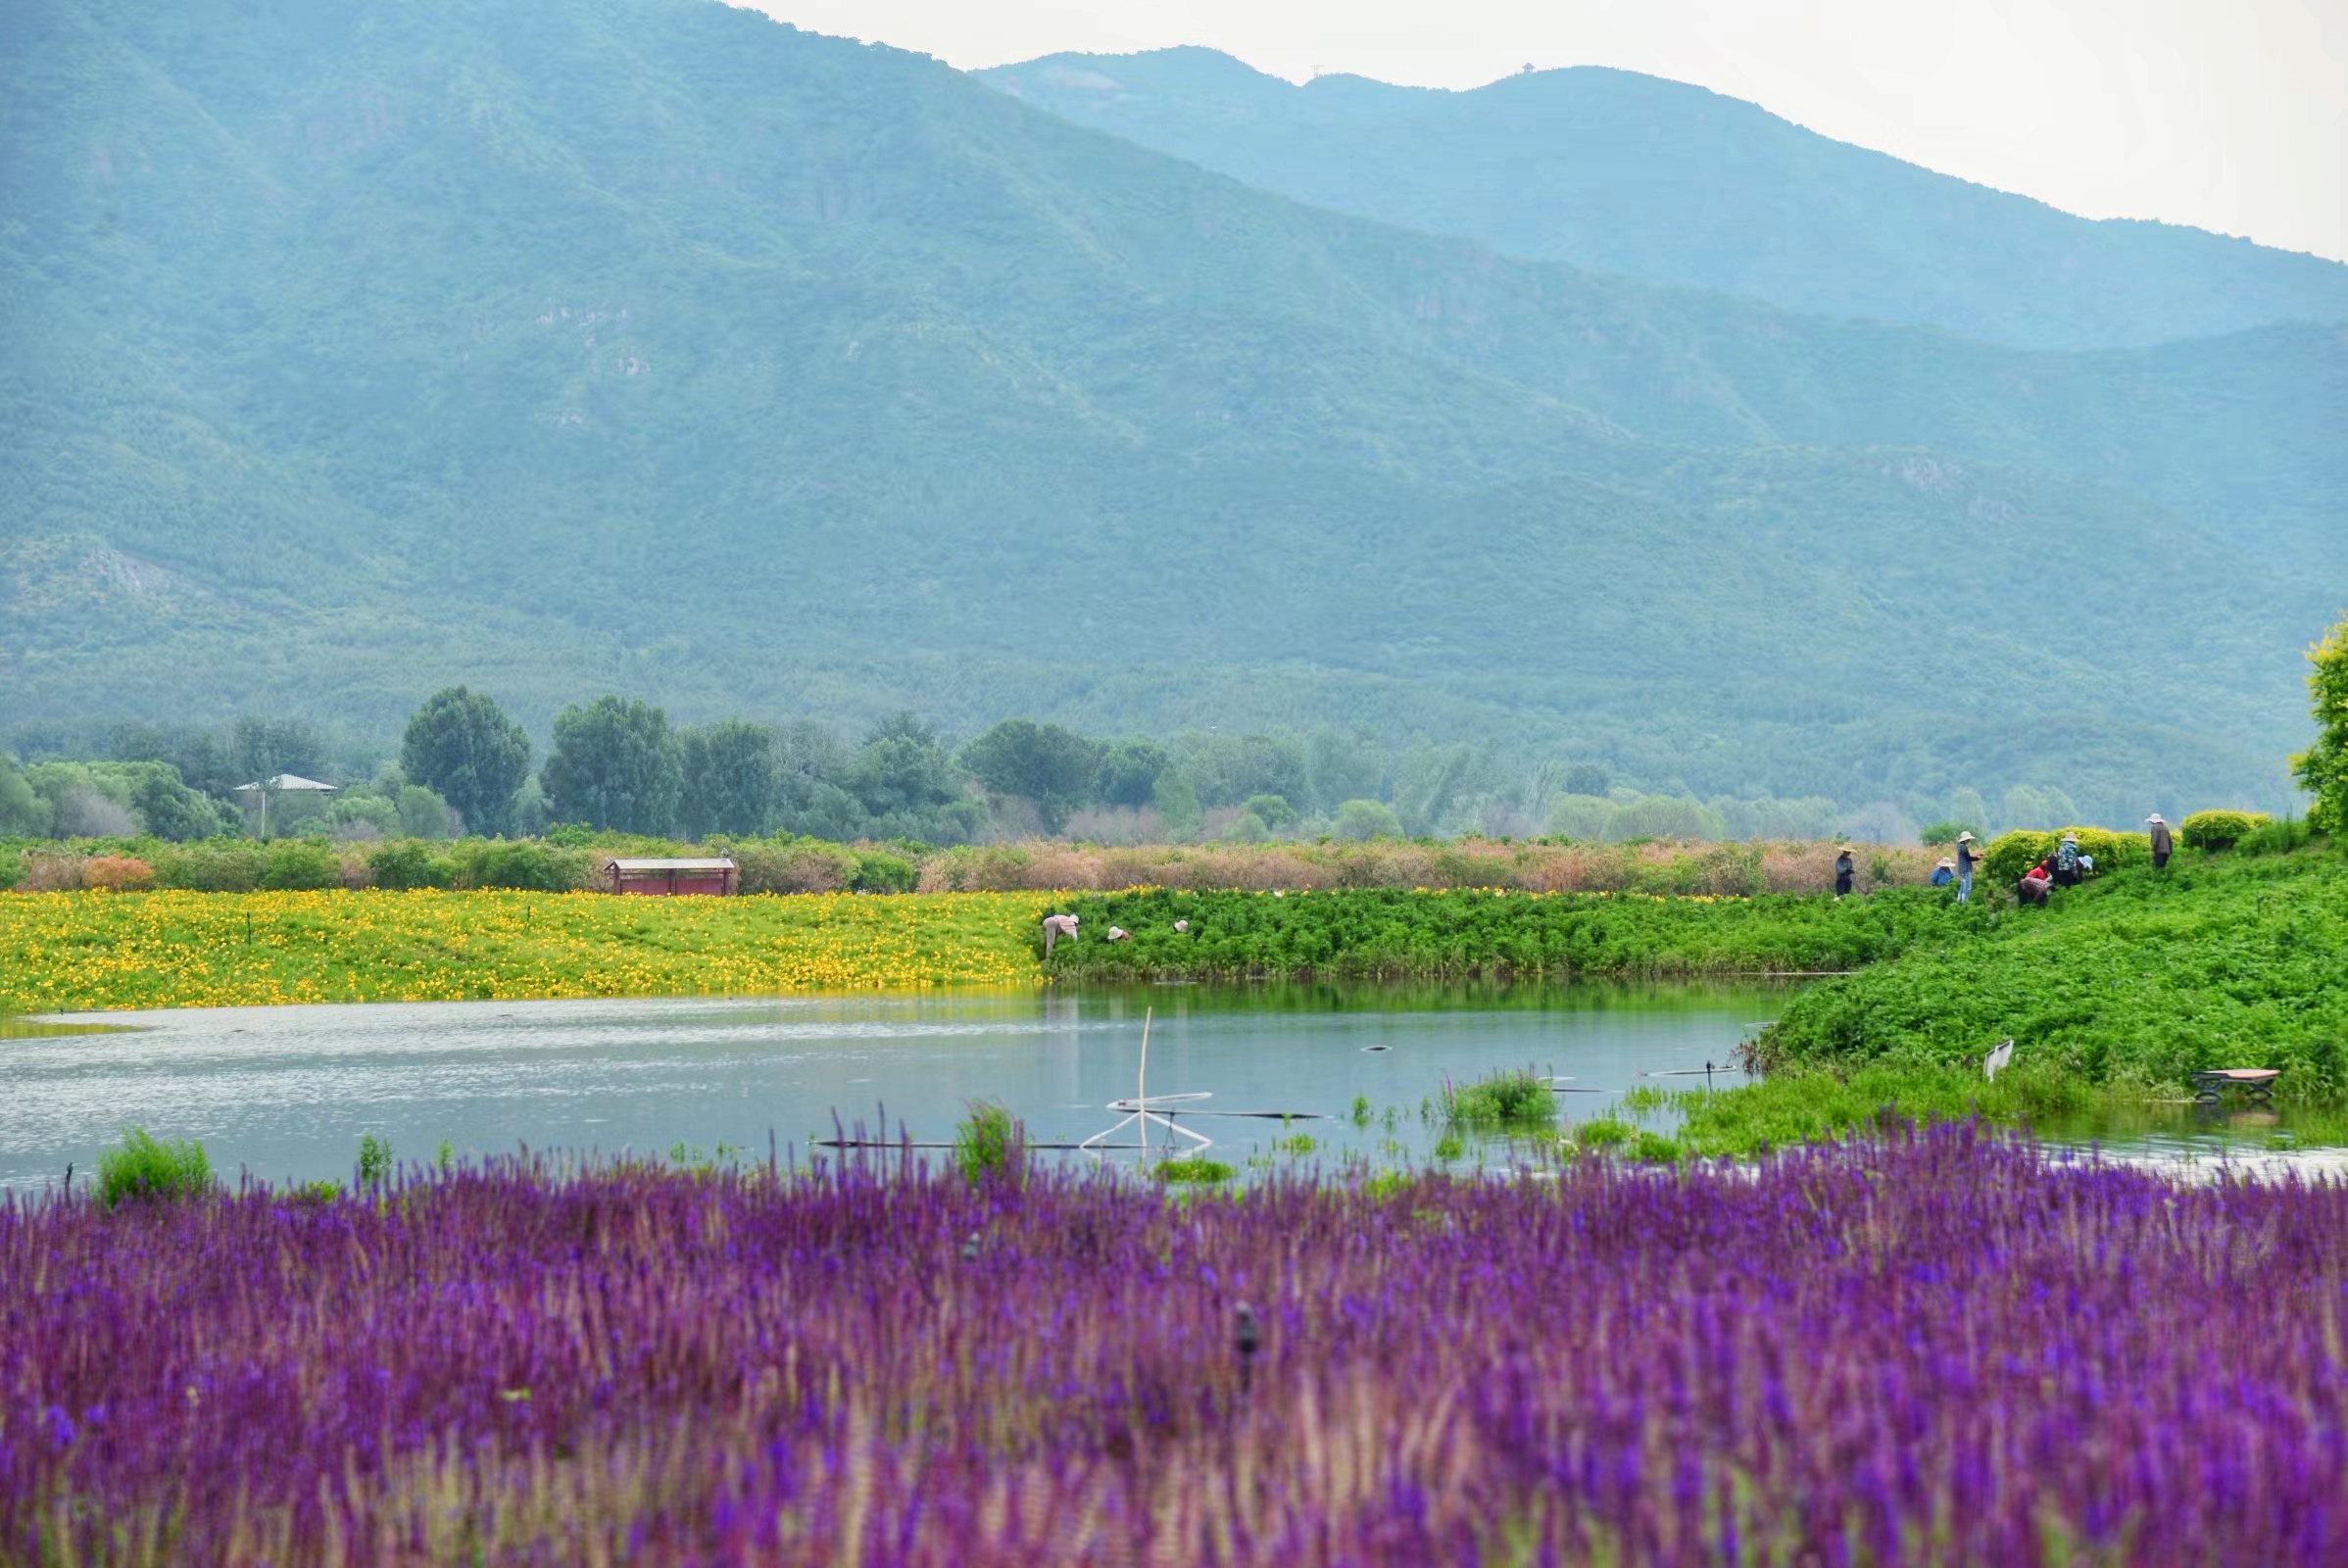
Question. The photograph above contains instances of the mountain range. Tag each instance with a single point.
(1671, 184)
(655, 347)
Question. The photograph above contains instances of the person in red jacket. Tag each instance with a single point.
(2035, 882)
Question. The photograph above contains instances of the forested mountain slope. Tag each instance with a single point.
(649, 345)
(1671, 184)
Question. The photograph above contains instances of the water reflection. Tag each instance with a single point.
(287, 1092)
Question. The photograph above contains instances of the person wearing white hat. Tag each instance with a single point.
(1964, 860)
(2162, 846)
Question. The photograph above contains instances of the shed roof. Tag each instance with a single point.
(293, 782)
(720, 862)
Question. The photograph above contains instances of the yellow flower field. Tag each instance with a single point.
(91, 951)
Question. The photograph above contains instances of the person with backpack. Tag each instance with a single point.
(2068, 873)
(2162, 846)
(1842, 871)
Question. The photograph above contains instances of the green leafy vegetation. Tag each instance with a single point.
(988, 1144)
(461, 745)
(374, 1160)
(1193, 1169)
(2322, 769)
(1800, 1106)
(2133, 980)
(1514, 1098)
(1370, 932)
(1604, 1132)
(614, 766)
(2218, 830)
(2008, 855)
(143, 1166)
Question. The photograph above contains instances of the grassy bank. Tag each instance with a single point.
(76, 952)
(1372, 933)
(2133, 981)
(1814, 1105)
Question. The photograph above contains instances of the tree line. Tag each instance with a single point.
(467, 765)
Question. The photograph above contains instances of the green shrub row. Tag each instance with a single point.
(2008, 855)
(553, 865)
(2219, 830)
(1376, 932)
(482, 863)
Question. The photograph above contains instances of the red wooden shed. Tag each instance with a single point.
(715, 874)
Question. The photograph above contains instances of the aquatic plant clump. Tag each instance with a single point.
(143, 1165)
(1514, 1097)
(1934, 1347)
(990, 1142)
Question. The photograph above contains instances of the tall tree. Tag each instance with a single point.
(614, 764)
(1343, 767)
(732, 778)
(1130, 770)
(461, 746)
(264, 747)
(2322, 769)
(904, 771)
(21, 810)
(1054, 767)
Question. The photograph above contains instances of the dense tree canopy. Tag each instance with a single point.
(22, 812)
(1130, 769)
(733, 778)
(614, 764)
(904, 770)
(461, 746)
(1054, 767)
(2322, 769)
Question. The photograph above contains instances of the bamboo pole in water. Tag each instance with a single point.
(1140, 1088)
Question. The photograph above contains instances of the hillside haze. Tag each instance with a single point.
(651, 346)
(1671, 184)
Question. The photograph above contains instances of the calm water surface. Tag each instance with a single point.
(287, 1092)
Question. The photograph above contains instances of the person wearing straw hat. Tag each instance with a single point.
(2068, 872)
(2162, 846)
(1944, 872)
(1964, 860)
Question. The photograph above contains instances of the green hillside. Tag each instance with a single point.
(1660, 180)
(651, 346)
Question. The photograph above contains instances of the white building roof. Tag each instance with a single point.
(717, 863)
(288, 782)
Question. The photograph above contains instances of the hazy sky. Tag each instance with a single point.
(2230, 115)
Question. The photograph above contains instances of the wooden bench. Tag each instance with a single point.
(2255, 1082)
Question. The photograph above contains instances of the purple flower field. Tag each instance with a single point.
(1934, 1348)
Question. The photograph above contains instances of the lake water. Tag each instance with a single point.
(288, 1091)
